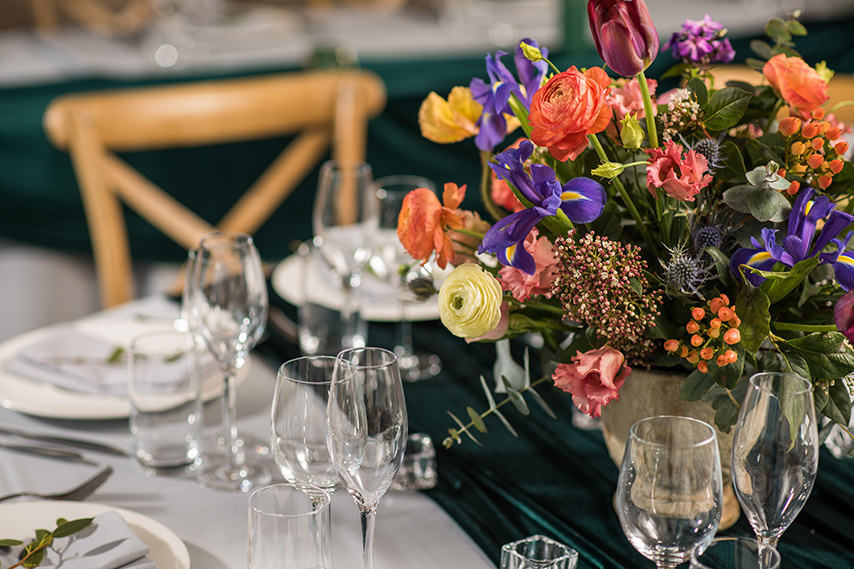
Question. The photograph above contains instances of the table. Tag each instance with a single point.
(555, 479)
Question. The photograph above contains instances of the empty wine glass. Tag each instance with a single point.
(669, 493)
(735, 553)
(344, 219)
(367, 430)
(775, 452)
(298, 436)
(230, 314)
(412, 281)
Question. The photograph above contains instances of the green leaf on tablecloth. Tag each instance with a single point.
(476, 419)
(752, 306)
(696, 385)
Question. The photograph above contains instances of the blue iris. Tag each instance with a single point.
(802, 242)
(581, 199)
(495, 95)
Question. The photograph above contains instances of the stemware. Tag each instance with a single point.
(669, 492)
(367, 430)
(299, 427)
(344, 219)
(412, 281)
(735, 553)
(775, 452)
(230, 314)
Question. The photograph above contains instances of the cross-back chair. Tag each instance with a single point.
(323, 111)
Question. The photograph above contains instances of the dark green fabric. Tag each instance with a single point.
(557, 480)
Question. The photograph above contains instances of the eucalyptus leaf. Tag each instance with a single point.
(725, 108)
(767, 205)
(736, 197)
(518, 401)
(542, 402)
(463, 430)
(506, 423)
(476, 419)
(762, 49)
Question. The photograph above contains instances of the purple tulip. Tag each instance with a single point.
(625, 36)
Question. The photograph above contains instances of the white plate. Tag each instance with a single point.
(379, 302)
(20, 519)
(44, 400)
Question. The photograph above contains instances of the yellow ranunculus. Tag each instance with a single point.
(470, 301)
(452, 120)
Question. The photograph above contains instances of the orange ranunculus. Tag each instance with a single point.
(452, 120)
(797, 83)
(424, 223)
(567, 108)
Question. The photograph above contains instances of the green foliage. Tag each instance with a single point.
(725, 108)
(32, 553)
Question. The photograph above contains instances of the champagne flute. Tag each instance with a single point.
(412, 281)
(230, 314)
(367, 430)
(344, 219)
(298, 434)
(669, 493)
(775, 452)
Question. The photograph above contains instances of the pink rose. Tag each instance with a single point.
(680, 177)
(796, 82)
(522, 285)
(843, 315)
(594, 378)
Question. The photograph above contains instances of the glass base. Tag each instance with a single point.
(248, 445)
(418, 366)
(217, 473)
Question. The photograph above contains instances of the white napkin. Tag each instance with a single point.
(73, 360)
(109, 543)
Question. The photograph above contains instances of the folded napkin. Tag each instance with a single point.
(80, 358)
(109, 543)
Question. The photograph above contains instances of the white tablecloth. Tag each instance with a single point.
(412, 532)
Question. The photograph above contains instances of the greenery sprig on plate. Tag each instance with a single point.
(32, 553)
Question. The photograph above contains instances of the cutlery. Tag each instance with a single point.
(79, 492)
(65, 441)
(49, 452)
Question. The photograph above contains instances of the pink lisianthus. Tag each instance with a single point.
(625, 99)
(681, 177)
(593, 378)
(843, 315)
(522, 285)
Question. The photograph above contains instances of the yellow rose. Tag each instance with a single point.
(470, 301)
(449, 121)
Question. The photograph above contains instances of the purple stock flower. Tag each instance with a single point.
(801, 242)
(581, 199)
(495, 95)
(701, 41)
(624, 34)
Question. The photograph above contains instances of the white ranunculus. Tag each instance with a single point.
(470, 301)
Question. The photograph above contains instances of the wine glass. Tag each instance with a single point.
(298, 434)
(775, 452)
(669, 493)
(230, 314)
(367, 430)
(344, 219)
(735, 552)
(412, 281)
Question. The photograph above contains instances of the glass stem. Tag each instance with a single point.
(368, 519)
(770, 540)
(349, 308)
(229, 418)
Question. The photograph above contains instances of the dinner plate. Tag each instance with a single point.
(379, 299)
(44, 400)
(19, 519)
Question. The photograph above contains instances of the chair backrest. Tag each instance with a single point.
(321, 110)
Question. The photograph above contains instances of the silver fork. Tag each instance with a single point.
(79, 492)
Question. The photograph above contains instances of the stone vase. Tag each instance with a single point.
(656, 392)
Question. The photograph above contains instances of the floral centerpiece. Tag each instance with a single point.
(704, 228)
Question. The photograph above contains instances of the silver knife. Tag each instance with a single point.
(47, 452)
(65, 441)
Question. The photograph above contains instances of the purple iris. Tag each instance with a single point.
(581, 199)
(495, 95)
(701, 41)
(798, 244)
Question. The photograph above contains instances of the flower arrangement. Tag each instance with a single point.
(704, 228)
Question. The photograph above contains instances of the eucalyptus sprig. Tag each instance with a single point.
(33, 553)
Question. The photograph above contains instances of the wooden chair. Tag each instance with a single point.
(321, 109)
(100, 16)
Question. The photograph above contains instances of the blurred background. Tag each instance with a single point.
(53, 47)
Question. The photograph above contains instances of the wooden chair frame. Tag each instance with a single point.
(322, 109)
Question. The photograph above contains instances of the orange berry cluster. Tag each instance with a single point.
(814, 153)
(713, 330)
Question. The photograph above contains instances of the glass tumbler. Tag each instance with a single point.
(538, 552)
